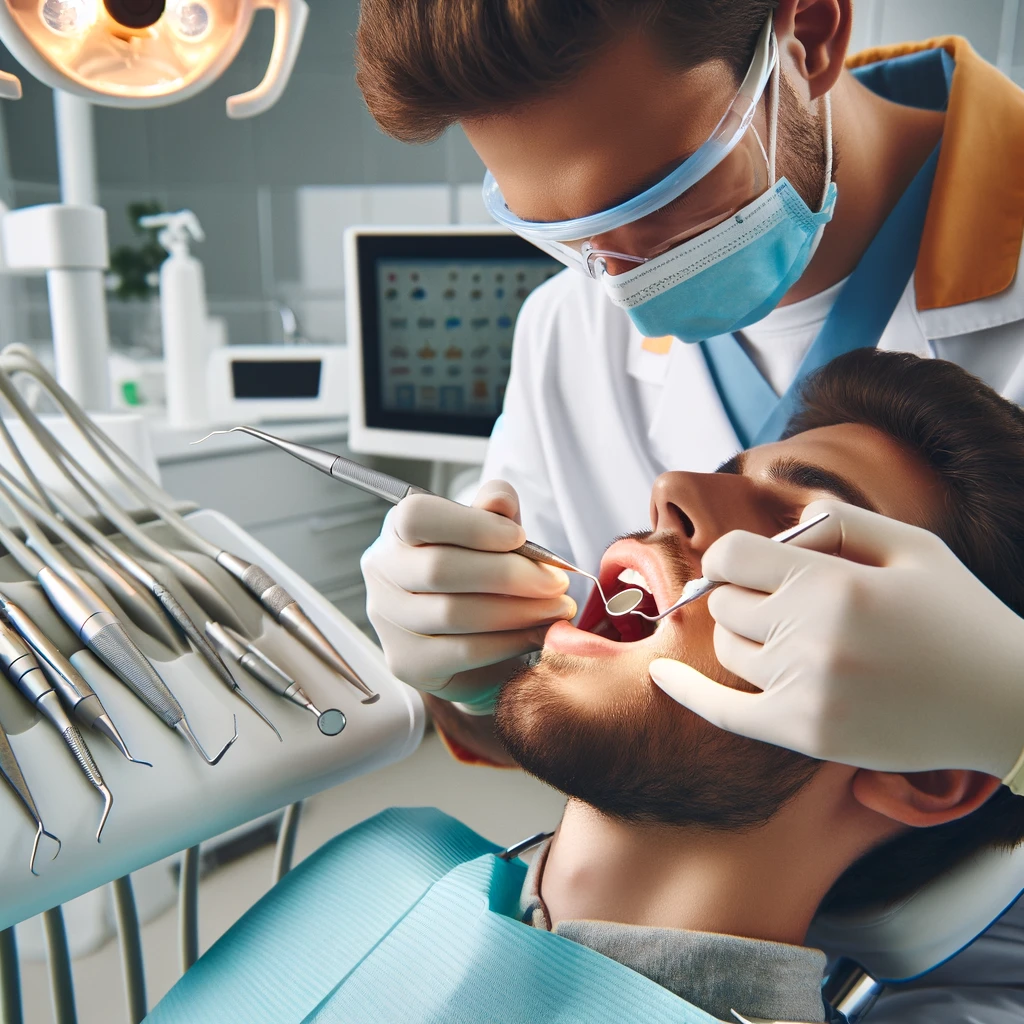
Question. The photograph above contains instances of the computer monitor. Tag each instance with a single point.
(430, 315)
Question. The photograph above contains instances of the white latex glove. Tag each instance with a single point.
(892, 656)
(448, 599)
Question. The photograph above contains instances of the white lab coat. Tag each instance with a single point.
(592, 418)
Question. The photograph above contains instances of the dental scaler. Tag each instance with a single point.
(11, 771)
(21, 667)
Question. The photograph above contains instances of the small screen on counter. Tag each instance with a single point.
(278, 378)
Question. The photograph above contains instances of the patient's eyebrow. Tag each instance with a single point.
(733, 465)
(814, 478)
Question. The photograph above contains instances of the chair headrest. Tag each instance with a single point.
(904, 940)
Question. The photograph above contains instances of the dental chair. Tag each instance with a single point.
(904, 943)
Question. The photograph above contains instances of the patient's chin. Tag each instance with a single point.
(634, 754)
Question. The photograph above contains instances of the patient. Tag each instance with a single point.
(696, 858)
(675, 827)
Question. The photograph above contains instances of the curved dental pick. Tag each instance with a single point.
(104, 725)
(182, 726)
(12, 774)
(40, 832)
(108, 802)
(239, 692)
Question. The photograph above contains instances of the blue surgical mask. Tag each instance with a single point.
(728, 277)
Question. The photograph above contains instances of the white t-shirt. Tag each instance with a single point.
(778, 343)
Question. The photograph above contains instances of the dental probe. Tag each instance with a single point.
(626, 601)
(60, 565)
(15, 778)
(70, 684)
(260, 667)
(23, 670)
(381, 485)
(98, 628)
(271, 595)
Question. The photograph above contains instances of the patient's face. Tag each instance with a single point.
(587, 718)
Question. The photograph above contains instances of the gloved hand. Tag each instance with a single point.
(892, 656)
(448, 599)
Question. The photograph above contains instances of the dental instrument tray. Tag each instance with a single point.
(181, 800)
(163, 676)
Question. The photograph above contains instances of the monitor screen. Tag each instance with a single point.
(438, 313)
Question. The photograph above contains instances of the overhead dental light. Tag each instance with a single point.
(118, 53)
(146, 53)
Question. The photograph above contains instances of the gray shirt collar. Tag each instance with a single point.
(717, 973)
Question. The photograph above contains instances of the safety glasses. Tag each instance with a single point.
(726, 173)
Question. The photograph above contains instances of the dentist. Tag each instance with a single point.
(739, 202)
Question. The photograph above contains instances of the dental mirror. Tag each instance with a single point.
(331, 721)
(624, 602)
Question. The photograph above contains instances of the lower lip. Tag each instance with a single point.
(564, 638)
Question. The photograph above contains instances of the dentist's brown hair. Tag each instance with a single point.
(424, 64)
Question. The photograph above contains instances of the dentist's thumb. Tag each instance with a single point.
(734, 710)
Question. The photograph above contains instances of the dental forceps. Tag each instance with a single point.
(23, 670)
(270, 594)
(13, 776)
(381, 485)
(260, 667)
(626, 601)
(99, 629)
(69, 683)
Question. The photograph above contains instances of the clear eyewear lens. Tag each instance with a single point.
(735, 183)
(658, 211)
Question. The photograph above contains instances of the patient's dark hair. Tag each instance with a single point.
(973, 441)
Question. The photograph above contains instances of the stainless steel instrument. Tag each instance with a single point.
(21, 667)
(381, 485)
(626, 601)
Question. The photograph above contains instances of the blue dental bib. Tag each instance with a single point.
(408, 917)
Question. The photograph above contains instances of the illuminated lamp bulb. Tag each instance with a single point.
(190, 20)
(67, 17)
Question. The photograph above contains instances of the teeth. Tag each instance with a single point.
(634, 579)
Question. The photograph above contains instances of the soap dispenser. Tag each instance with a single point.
(184, 317)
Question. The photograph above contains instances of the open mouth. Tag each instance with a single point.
(627, 564)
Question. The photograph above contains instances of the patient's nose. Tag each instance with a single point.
(700, 507)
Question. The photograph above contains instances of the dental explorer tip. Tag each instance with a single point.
(186, 730)
(104, 724)
(240, 693)
(209, 435)
(108, 802)
(40, 832)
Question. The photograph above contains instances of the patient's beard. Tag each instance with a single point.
(642, 757)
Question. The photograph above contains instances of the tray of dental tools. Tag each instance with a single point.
(163, 676)
(182, 800)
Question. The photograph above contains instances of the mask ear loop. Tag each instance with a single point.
(829, 146)
(773, 127)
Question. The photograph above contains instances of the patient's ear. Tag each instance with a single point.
(923, 799)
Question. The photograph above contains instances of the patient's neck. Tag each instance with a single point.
(765, 883)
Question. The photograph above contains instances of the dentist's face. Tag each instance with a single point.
(621, 126)
(588, 719)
